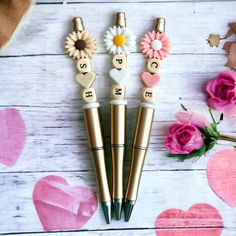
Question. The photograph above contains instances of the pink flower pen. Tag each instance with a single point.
(155, 45)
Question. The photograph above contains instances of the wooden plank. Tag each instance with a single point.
(50, 24)
(125, 232)
(50, 80)
(187, 188)
(122, 1)
(58, 136)
(48, 98)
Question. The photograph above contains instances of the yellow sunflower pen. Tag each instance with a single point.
(119, 40)
(81, 45)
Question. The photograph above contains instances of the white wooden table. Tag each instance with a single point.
(38, 79)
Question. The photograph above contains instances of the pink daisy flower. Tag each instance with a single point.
(155, 45)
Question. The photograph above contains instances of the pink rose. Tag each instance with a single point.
(183, 139)
(222, 93)
(192, 117)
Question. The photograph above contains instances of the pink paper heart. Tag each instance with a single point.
(149, 79)
(200, 220)
(61, 207)
(221, 174)
(12, 136)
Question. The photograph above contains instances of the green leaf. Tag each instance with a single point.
(183, 157)
(214, 126)
(198, 153)
(210, 145)
(212, 117)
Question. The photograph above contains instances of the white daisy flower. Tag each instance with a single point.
(119, 40)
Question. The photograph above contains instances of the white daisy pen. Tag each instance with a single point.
(119, 40)
(81, 45)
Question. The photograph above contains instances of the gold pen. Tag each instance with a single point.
(119, 41)
(81, 46)
(155, 46)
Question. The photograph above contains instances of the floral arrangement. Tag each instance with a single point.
(192, 135)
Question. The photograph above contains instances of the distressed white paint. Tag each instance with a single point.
(38, 78)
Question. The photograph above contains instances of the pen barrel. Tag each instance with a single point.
(93, 125)
(118, 136)
(139, 149)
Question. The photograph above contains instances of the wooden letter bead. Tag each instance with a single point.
(117, 91)
(84, 65)
(153, 66)
(119, 61)
(88, 95)
(148, 95)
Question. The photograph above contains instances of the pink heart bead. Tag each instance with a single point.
(149, 79)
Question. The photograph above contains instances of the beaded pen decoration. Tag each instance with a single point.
(119, 41)
(155, 46)
(81, 45)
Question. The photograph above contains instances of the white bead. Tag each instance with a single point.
(156, 44)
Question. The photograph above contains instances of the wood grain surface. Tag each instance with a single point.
(37, 78)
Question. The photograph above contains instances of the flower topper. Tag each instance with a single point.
(155, 45)
(119, 40)
(192, 135)
(80, 44)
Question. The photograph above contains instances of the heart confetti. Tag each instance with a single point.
(200, 220)
(221, 174)
(61, 207)
(149, 79)
(12, 136)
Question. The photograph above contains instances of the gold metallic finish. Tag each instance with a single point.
(139, 150)
(160, 25)
(120, 19)
(93, 126)
(78, 24)
(100, 170)
(143, 127)
(96, 145)
(118, 136)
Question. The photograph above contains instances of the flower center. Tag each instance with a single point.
(156, 44)
(119, 40)
(80, 44)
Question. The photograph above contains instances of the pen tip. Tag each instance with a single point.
(106, 207)
(129, 205)
(117, 202)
